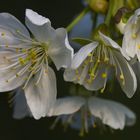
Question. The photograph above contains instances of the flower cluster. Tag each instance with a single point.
(28, 56)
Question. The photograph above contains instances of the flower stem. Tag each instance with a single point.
(109, 13)
(77, 19)
(114, 5)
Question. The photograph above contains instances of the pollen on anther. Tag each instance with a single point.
(76, 72)
(138, 46)
(22, 61)
(104, 75)
(134, 36)
(17, 75)
(2, 34)
(121, 76)
(94, 125)
(18, 31)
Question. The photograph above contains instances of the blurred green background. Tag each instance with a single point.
(60, 12)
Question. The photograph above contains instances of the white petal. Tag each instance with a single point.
(67, 105)
(109, 41)
(21, 108)
(10, 81)
(131, 36)
(98, 82)
(121, 26)
(39, 26)
(111, 113)
(113, 44)
(12, 24)
(130, 82)
(42, 96)
(3, 61)
(7, 86)
(7, 38)
(82, 54)
(8, 76)
(70, 74)
(137, 12)
(35, 18)
(129, 44)
(60, 50)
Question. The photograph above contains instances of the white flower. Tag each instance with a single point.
(25, 59)
(90, 111)
(94, 64)
(131, 39)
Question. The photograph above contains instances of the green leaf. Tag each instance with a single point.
(82, 41)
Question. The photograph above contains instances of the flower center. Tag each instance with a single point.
(97, 63)
(28, 61)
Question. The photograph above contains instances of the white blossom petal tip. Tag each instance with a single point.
(82, 54)
(35, 18)
(60, 50)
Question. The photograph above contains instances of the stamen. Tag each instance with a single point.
(21, 61)
(39, 77)
(121, 71)
(10, 66)
(134, 35)
(104, 75)
(93, 70)
(2, 34)
(122, 78)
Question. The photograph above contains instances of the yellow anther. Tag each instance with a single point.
(102, 90)
(78, 78)
(121, 76)
(24, 50)
(92, 75)
(26, 78)
(106, 59)
(6, 81)
(134, 36)
(86, 62)
(89, 81)
(21, 60)
(2, 34)
(90, 54)
(17, 75)
(76, 72)
(18, 31)
(138, 46)
(94, 125)
(104, 75)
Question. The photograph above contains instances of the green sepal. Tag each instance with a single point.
(81, 41)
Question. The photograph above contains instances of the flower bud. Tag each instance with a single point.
(121, 18)
(99, 6)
